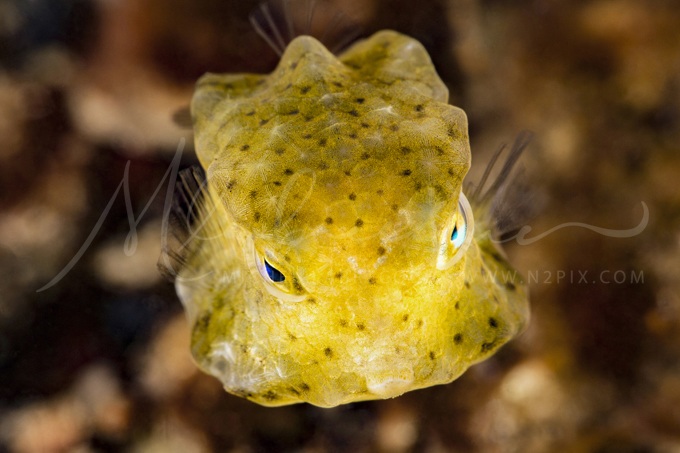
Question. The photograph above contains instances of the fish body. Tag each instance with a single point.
(335, 259)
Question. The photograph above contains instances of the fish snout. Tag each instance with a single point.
(390, 383)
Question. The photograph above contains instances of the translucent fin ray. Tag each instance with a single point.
(499, 207)
(179, 224)
(278, 22)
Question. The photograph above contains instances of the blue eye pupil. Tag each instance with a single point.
(458, 235)
(274, 274)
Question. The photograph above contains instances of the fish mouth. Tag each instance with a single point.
(390, 385)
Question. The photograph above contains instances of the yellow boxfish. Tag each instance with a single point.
(333, 257)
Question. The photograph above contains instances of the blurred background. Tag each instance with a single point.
(99, 361)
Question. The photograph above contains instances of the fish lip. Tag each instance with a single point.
(390, 387)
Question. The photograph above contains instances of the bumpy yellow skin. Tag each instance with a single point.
(345, 174)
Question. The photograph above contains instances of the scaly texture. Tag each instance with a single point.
(344, 174)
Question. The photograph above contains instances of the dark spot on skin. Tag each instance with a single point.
(343, 322)
(308, 118)
(379, 191)
(291, 336)
(510, 286)
(365, 125)
(360, 100)
(311, 300)
(419, 108)
(395, 207)
(406, 172)
(353, 112)
(322, 142)
(277, 183)
(287, 258)
(231, 184)
(451, 172)
(293, 112)
(419, 323)
(405, 317)
(329, 220)
(288, 171)
(245, 147)
(352, 196)
(243, 393)
(294, 390)
(257, 216)
(495, 298)
(405, 150)
(365, 156)
(361, 326)
(253, 193)
(440, 151)
(418, 186)
(497, 257)
(305, 89)
(263, 122)
(372, 281)
(293, 65)
(251, 113)
(482, 271)
(348, 173)
(338, 275)
(457, 306)
(381, 250)
(458, 338)
(270, 396)
(359, 223)
(397, 349)
(297, 285)
(353, 135)
(304, 387)
(337, 84)
(328, 352)
(323, 166)
(451, 132)
(467, 284)
(432, 355)
(203, 321)
(493, 323)
(394, 127)
(307, 136)
(280, 151)
(486, 347)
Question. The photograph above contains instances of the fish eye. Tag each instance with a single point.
(268, 271)
(273, 273)
(459, 233)
(458, 236)
(276, 280)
